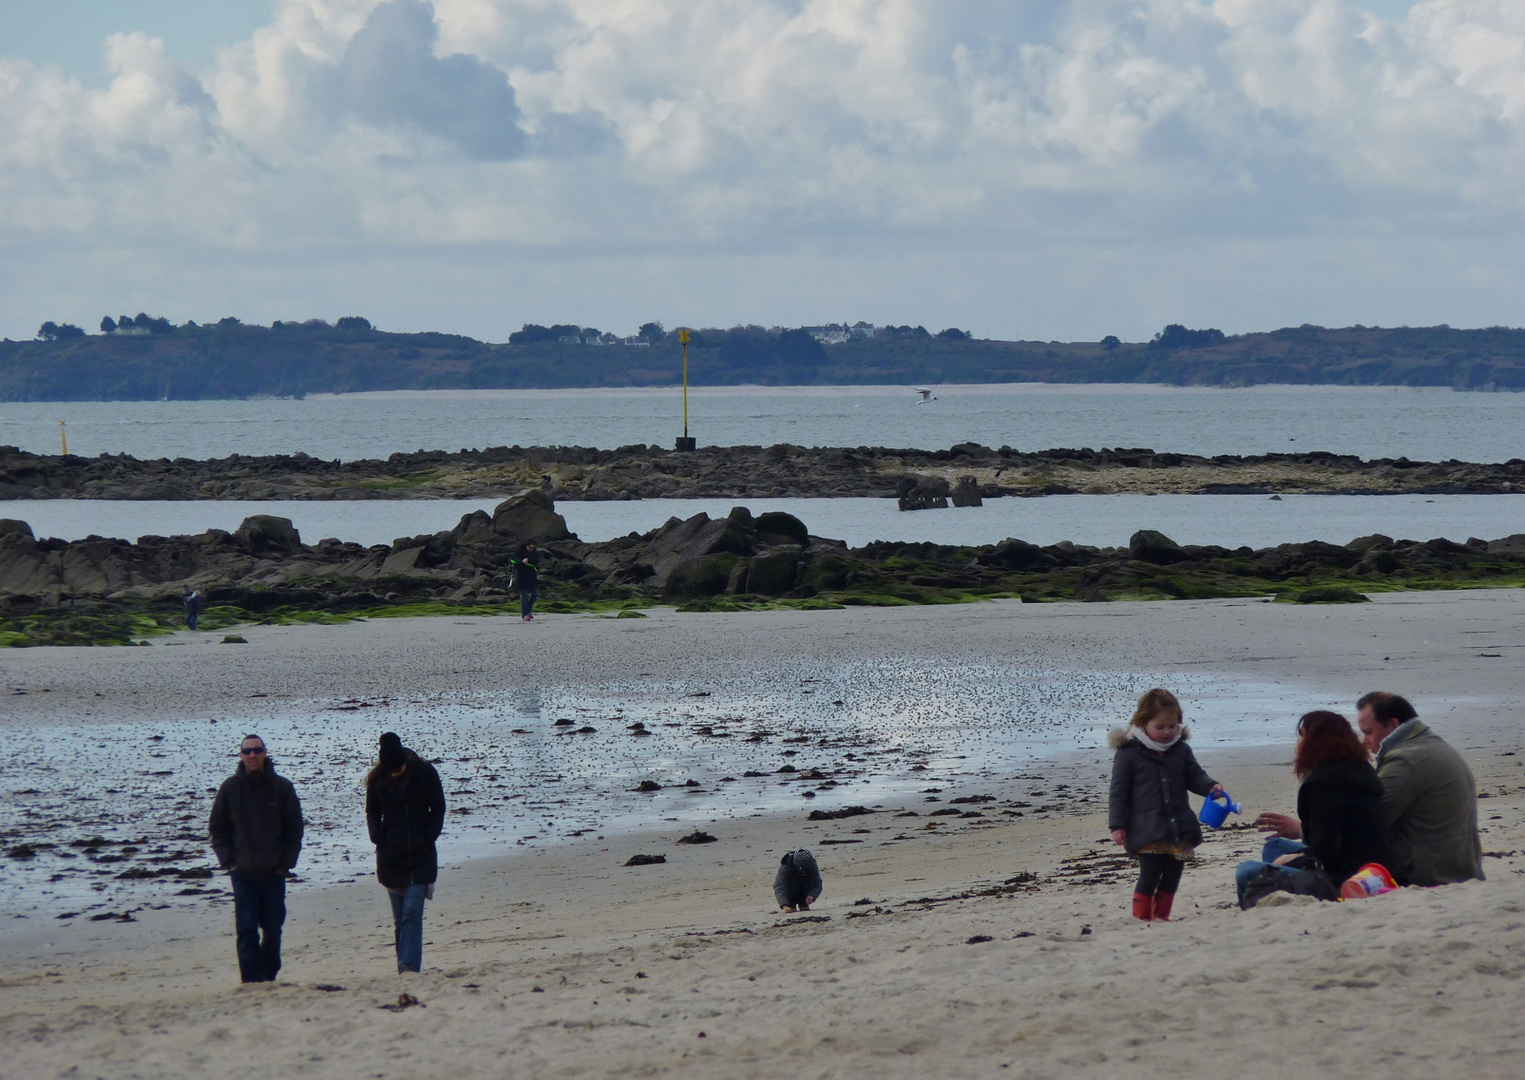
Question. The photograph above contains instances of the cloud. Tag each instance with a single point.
(1097, 132)
(389, 76)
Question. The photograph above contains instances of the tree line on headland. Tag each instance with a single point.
(145, 357)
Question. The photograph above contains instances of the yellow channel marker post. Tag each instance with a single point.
(63, 436)
(685, 443)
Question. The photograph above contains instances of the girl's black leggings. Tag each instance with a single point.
(1158, 873)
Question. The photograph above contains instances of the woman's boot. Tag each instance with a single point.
(1162, 902)
(1143, 906)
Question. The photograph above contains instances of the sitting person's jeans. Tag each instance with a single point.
(1274, 849)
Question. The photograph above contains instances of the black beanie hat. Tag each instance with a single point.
(393, 756)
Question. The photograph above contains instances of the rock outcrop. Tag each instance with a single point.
(967, 492)
(632, 472)
(926, 493)
(50, 589)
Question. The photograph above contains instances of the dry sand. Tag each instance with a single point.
(562, 962)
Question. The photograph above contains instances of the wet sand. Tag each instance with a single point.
(555, 959)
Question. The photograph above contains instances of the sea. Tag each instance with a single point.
(1369, 422)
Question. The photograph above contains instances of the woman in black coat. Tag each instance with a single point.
(405, 812)
(1340, 825)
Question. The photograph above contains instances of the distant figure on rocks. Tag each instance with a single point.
(527, 579)
(194, 602)
(1148, 811)
(797, 884)
(256, 832)
(405, 813)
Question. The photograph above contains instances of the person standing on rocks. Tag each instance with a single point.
(1148, 811)
(405, 813)
(527, 578)
(194, 602)
(797, 884)
(256, 830)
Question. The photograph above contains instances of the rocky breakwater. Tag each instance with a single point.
(106, 591)
(101, 589)
(920, 477)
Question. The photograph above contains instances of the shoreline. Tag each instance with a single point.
(631, 964)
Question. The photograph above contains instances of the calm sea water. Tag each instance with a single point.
(1102, 520)
(1428, 424)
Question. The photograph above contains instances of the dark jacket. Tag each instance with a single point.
(1148, 796)
(1430, 800)
(1340, 807)
(405, 817)
(526, 570)
(793, 883)
(256, 823)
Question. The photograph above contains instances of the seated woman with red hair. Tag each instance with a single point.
(1339, 825)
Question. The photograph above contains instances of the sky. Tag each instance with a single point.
(1037, 169)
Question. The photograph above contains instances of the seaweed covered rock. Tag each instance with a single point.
(1150, 546)
(774, 574)
(1014, 554)
(776, 523)
(924, 493)
(531, 514)
(263, 534)
(967, 492)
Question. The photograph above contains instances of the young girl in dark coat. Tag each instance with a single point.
(405, 812)
(1149, 813)
(797, 884)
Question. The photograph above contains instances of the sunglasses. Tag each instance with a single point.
(251, 749)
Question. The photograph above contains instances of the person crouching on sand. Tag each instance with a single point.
(797, 884)
(1148, 811)
(405, 812)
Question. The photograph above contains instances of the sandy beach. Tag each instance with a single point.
(997, 943)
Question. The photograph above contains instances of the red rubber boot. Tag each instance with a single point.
(1162, 902)
(1143, 906)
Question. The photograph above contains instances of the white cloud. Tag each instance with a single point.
(833, 135)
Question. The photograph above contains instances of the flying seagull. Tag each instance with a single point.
(926, 396)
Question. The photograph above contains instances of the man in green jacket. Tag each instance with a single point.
(1429, 795)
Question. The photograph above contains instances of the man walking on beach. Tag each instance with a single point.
(1429, 795)
(194, 602)
(527, 578)
(256, 832)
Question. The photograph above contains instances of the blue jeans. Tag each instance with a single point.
(408, 926)
(258, 906)
(1274, 849)
(527, 598)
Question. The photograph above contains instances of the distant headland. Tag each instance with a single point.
(145, 357)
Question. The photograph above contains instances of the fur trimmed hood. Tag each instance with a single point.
(1119, 737)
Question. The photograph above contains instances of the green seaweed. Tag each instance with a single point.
(1326, 594)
